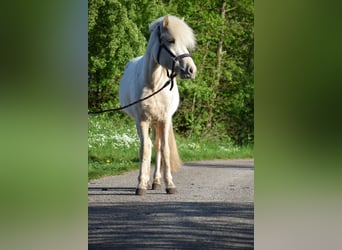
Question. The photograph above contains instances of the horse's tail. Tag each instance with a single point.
(175, 160)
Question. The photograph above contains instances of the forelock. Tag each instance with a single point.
(178, 29)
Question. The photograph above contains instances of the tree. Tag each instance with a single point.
(114, 39)
(220, 100)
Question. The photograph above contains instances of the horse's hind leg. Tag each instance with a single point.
(157, 175)
(145, 157)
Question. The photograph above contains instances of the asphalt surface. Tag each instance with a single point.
(212, 209)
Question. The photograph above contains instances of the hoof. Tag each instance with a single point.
(171, 190)
(156, 186)
(140, 191)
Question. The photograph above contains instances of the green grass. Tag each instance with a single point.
(113, 147)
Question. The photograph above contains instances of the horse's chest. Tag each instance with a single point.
(160, 107)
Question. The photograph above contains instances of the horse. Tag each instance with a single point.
(167, 56)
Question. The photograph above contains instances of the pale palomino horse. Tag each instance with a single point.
(167, 55)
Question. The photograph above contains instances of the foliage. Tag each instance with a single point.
(112, 148)
(220, 101)
(113, 39)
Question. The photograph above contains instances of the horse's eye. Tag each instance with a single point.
(171, 41)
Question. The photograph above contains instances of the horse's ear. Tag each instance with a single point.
(166, 22)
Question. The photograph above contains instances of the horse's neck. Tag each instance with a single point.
(154, 74)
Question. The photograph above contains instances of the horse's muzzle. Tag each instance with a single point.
(188, 73)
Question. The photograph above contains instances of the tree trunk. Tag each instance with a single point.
(216, 83)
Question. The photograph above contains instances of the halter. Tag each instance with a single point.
(174, 59)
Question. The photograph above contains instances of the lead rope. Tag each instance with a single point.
(133, 103)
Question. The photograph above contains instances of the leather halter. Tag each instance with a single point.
(173, 57)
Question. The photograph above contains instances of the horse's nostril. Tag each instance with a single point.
(190, 70)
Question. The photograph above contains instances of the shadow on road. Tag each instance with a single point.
(218, 165)
(107, 190)
(171, 225)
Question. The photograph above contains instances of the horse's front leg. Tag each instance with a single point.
(157, 175)
(145, 157)
(166, 158)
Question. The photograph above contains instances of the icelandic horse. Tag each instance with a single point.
(167, 56)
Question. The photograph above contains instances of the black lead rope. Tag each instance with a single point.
(133, 103)
(171, 76)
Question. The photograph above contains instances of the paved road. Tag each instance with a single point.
(213, 209)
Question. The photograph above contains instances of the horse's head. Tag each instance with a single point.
(175, 39)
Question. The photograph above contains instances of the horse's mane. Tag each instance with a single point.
(178, 29)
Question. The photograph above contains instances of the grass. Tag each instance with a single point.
(113, 147)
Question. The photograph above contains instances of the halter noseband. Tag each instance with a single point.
(174, 59)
